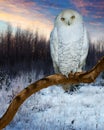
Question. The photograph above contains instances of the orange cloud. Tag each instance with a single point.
(21, 14)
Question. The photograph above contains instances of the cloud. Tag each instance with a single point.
(81, 6)
(40, 14)
(26, 14)
(97, 16)
(89, 7)
(82, 3)
(95, 30)
(95, 23)
(51, 4)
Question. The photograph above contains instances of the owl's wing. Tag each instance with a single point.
(54, 49)
(85, 48)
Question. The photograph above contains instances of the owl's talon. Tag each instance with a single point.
(78, 73)
(70, 74)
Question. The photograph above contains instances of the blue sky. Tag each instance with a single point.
(40, 14)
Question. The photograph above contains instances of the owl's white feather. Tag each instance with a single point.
(69, 43)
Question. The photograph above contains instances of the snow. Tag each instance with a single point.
(52, 108)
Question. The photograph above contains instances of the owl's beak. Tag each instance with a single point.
(68, 22)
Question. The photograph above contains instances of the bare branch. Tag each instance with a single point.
(83, 77)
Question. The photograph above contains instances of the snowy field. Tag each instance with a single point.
(52, 109)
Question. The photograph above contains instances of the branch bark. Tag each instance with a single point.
(78, 77)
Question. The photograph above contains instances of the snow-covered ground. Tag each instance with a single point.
(52, 109)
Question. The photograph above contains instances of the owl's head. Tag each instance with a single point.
(68, 17)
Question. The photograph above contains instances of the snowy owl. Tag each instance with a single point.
(68, 43)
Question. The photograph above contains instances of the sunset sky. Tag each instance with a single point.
(40, 14)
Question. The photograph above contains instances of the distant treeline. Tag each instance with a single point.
(96, 51)
(23, 50)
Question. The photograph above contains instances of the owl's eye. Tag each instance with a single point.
(73, 17)
(62, 19)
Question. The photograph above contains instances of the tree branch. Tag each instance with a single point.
(79, 77)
